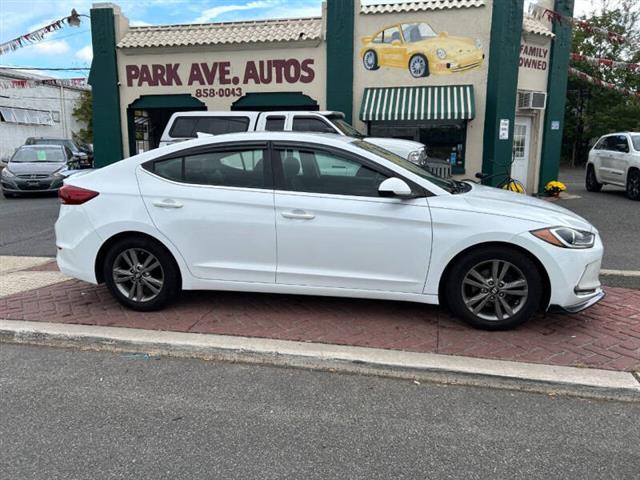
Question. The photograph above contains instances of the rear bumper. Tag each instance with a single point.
(579, 307)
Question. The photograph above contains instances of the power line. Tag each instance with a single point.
(45, 68)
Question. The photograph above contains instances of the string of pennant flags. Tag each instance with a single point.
(541, 13)
(39, 34)
(576, 57)
(56, 82)
(602, 83)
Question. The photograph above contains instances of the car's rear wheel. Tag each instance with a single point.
(591, 182)
(419, 66)
(370, 60)
(141, 274)
(494, 288)
(633, 185)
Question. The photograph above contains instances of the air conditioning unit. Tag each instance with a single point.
(528, 100)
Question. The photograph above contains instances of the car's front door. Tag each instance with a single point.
(620, 160)
(333, 229)
(393, 50)
(216, 207)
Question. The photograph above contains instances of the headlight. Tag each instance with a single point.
(415, 157)
(478, 43)
(566, 237)
(7, 173)
(441, 53)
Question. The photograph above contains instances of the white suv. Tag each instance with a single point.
(615, 160)
(187, 125)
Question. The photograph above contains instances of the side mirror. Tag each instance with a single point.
(394, 187)
(396, 43)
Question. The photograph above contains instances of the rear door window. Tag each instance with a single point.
(188, 127)
(274, 123)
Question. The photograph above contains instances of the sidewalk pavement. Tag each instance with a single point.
(606, 336)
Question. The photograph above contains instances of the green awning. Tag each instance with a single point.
(451, 102)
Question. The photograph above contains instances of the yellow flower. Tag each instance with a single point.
(555, 186)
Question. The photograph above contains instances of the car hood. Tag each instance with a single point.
(450, 44)
(496, 201)
(398, 146)
(35, 168)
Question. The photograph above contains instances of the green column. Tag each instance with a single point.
(103, 78)
(339, 41)
(557, 94)
(502, 86)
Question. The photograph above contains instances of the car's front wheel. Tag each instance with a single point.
(419, 66)
(141, 274)
(370, 60)
(591, 182)
(494, 288)
(633, 185)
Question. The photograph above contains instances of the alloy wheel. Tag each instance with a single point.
(418, 66)
(495, 290)
(370, 60)
(633, 186)
(138, 274)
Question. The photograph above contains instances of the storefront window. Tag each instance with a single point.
(445, 141)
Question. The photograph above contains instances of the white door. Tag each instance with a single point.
(521, 141)
(215, 208)
(333, 229)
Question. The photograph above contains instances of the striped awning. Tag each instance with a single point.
(451, 102)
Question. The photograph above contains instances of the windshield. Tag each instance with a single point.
(448, 185)
(345, 127)
(64, 143)
(636, 142)
(415, 32)
(44, 154)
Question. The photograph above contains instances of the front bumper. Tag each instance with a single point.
(27, 185)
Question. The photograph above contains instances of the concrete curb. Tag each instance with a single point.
(589, 383)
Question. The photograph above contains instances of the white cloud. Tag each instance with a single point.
(85, 53)
(212, 13)
(139, 23)
(54, 47)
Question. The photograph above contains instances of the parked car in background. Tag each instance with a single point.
(36, 168)
(300, 213)
(83, 156)
(187, 125)
(615, 160)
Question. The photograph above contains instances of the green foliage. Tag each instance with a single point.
(592, 111)
(83, 112)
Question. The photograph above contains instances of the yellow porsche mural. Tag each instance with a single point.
(417, 47)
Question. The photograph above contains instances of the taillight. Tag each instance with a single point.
(70, 195)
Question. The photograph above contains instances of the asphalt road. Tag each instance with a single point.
(71, 414)
(613, 214)
(26, 225)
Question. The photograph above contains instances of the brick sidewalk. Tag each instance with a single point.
(605, 336)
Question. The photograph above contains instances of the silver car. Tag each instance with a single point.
(36, 168)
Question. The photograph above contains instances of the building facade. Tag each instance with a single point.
(477, 81)
(35, 110)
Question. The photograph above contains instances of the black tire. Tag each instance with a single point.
(418, 72)
(459, 295)
(591, 182)
(167, 271)
(633, 184)
(373, 65)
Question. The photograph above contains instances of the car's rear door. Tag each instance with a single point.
(216, 206)
(620, 159)
(335, 231)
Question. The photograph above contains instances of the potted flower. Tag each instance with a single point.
(554, 187)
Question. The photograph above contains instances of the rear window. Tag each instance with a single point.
(188, 127)
(274, 124)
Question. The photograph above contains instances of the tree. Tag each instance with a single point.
(83, 112)
(592, 111)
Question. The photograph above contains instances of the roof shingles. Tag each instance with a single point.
(285, 30)
(422, 6)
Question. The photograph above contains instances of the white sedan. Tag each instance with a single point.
(313, 214)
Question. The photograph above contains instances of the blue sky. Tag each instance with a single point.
(71, 47)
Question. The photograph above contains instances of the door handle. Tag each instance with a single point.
(167, 203)
(299, 214)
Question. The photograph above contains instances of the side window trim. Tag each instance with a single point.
(278, 173)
